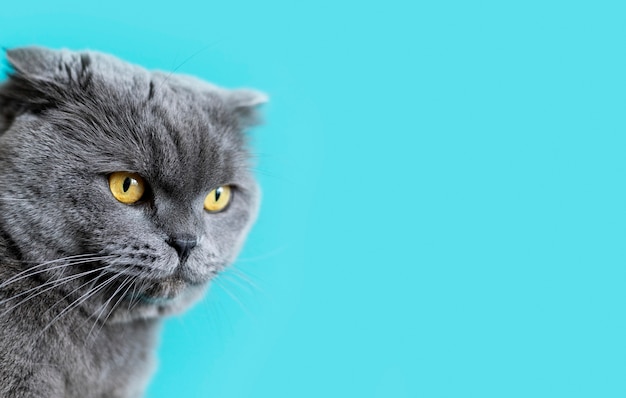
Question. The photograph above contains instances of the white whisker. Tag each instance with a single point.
(106, 304)
(54, 282)
(221, 285)
(24, 274)
(75, 303)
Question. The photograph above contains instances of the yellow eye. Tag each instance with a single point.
(218, 199)
(126, 187)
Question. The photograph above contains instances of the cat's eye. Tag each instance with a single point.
(218, 199)
(126, 187)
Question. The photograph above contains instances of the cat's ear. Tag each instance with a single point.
(40, 78)
(33, 61)
(244, 103)
(44, 64)
(24, 91)
(32, 85)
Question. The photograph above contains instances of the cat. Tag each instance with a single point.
(124, 192)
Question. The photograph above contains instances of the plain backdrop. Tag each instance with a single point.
(444, 208)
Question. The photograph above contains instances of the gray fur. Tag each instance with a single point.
(84, 279)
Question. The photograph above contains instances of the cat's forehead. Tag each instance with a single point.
(190, 138)
(121, 116)
(161, 126)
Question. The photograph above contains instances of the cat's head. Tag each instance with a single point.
(140, 180)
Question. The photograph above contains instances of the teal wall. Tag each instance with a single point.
(444, 193)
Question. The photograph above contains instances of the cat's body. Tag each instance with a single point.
(72, 358)
(85, 275)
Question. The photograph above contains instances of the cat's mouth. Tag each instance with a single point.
(163, 294)
(163, 291)
(142, 298)
(156, 298)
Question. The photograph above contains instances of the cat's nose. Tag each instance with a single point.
(183, 245)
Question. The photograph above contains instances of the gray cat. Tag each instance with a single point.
(123, 193)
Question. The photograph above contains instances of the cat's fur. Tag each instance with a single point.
(84, 279)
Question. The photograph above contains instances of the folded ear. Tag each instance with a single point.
(244, 97)
(34, 61)
(244, 103)
(40, 79)
(34, 82)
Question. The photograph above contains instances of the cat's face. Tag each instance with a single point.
(85, 129)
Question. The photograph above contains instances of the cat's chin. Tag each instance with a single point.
(162, 298)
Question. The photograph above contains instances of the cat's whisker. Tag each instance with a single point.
(189, 58)
(100, 311)
(143, 283)
(72, 305)
(106, 304)
(252, 280)
(239, 282)
(212, 312)
(112, 309)
(225, 268)
(89, 282)
(56, 281)
(98, 289)
(35, 292)
(132, 296)
(56, 260)
(263, 256)
(217, 309)
(81, 258)
(235, 298)
(54, 284)
(119, 300)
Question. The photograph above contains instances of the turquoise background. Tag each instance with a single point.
(444, 193)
